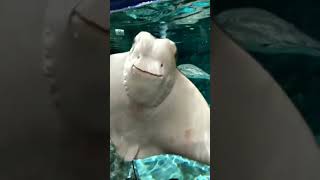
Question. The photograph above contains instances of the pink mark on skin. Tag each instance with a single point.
(188, 141)
(188, 135)
(120, 146)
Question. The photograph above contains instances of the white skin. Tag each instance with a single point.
(154, 108)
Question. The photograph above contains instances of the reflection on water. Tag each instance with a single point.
(187, 23)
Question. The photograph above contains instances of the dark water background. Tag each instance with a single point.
(299, 75)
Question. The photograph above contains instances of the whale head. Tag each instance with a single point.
(150, 70)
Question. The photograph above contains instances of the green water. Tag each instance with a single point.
(187, 23)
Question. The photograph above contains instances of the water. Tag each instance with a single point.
(187, 23)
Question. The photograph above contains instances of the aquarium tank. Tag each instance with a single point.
(284, 38)
(187, 23)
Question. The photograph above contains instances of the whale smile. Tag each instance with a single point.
(146, 72)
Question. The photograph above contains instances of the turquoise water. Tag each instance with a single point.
(187, 23)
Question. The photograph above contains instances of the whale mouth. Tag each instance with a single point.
(146, 72)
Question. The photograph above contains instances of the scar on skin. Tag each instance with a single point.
(187, 134)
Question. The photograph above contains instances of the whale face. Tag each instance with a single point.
(150, 70)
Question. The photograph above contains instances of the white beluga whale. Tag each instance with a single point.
(258, 30)
(154, 108)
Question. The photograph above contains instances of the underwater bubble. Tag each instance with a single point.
(119, 32)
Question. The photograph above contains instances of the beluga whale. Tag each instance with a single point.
(259, 30)
(154, 108)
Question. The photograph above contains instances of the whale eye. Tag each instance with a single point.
(138, 56)
(161, 65)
